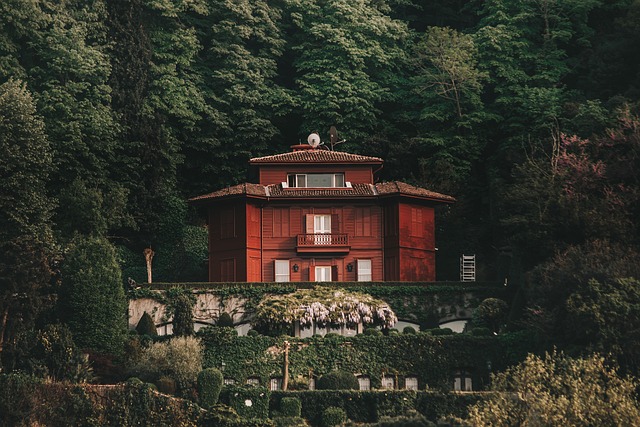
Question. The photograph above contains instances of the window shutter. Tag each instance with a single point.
(335, 227)
(309, 223)
(312, 273)
(334, 273)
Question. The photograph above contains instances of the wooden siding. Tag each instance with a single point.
(245, 239)
(362, 174)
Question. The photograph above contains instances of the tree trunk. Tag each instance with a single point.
(285, 377)
(148, 256)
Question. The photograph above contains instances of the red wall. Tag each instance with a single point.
(245, 239)
(352, 173)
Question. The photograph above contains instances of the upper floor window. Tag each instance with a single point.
(316, 180)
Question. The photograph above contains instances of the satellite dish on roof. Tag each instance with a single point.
(333, 132)
(313, 140)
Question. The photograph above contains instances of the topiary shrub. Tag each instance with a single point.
(209, 386)
(394, 332)
(373, 332)
(409, 330)
(252, 333)
(333, 416)
(183, 316)
(146, 326)
(225, 320)
(338, 380)
(290, 407)
(166, 385)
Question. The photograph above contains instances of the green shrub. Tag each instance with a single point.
(413, 420)
(290, 422)
(408, 330)
(183, 316)
(225, 320)
(338, 380)
(290, 407)
(146, 326)
(248, 402)
(209, 385)
(394, 332)
(441, 331)
(91, 299)
(178, 358)
(373, 332)
(333, 416)
(481, 332)
(166, 385)
(252, 333)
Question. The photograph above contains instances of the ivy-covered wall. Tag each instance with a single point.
(432, 359)
(425, 303)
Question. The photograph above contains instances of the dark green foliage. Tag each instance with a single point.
(480, 332)
(338, 380)
(225, 320)
(408, 330)
(440, 331)
(491, 312)
(373, 331)
(290, 407)
(92, 301)
(16, 391)
(414, 420)
(252, 333)
(166, 385)
(289, 421)
(146, 326)
(333, 417)
(25, 213)
(55, 355)
(209, 386)
(249, 402)
(183, 316)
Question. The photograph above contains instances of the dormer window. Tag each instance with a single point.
(316, 180)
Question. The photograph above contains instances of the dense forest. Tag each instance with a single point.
(113, 113)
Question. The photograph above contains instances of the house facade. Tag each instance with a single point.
(320, 215)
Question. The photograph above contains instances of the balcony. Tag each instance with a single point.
(315, 243)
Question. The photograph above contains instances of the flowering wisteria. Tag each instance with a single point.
(324, 306)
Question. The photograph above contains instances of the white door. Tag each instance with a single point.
(323, 274)
(322, 229)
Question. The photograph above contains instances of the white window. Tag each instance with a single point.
(281, 268)
(275, 384)
(253, 381)
(462, 381)
(364, 270)
(322, 229)
(323, 274)
(229, 381)
(316, 180)
(388, 382)
(411, 383)
(364, 382)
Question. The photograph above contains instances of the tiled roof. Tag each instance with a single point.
(357, 190)
(276, 191)
(244, 188)
(315, 156)
(397, 187)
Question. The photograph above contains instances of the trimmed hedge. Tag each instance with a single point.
(372, 406)
(290, 407)
(338, 380)
(248, 402)
(333, 417)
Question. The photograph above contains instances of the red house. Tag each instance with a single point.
(319, 215)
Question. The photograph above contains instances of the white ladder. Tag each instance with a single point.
(468, 268)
